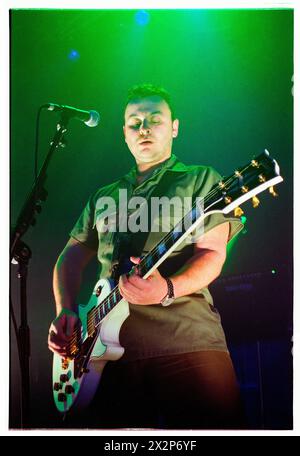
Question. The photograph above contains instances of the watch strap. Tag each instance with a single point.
(169, 298)
(170, 287)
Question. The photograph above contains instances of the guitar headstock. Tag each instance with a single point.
(246, 182)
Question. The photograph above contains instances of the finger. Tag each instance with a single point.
(57, 348)
(59, 337)
(58, 333)
(137, 282)
(57, 344)
(129, 295)
(127, 282)
(154, 273)
(58, 325)
(123, 279)
(61, 352)
(135, 288)
(65, 325)
(70, 326)
(58, 341)
(135, 260)
(124, 291)
(53, 329)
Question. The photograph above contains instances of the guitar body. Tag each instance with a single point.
(75, 381)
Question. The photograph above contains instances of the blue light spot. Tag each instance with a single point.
(74, 55)
(142, 17)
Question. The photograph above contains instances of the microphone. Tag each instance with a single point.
(90, 118)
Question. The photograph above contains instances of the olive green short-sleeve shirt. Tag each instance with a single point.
(190, 323)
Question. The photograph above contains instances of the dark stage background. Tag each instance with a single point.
(230, 74)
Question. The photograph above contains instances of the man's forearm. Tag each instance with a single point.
(198, 273)
(68, 272)
(66, 284)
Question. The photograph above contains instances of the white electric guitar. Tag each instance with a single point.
(96, 340)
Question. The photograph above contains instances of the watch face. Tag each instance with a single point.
(167, 301)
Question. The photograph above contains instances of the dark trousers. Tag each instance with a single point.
(195, 390)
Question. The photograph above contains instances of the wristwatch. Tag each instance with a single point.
(169, 298)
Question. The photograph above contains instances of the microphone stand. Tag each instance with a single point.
(20, 254)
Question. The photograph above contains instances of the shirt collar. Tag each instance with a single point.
(167, 164)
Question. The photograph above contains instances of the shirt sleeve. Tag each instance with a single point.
(84, 230)
(203, 185)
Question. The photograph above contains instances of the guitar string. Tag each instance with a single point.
(154, 251)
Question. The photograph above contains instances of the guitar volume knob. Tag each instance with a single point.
(98, 291)
(64, 378)
(57, 386)
(62, 397)
(69, 389)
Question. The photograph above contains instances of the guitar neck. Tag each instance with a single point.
(170, 242)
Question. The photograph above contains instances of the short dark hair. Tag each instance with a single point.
(140, 91)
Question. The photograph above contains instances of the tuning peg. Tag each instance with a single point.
(244, 189)
(63, 143)
(272, 191)
(255, 202)
(238, 212)
(261, 178)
